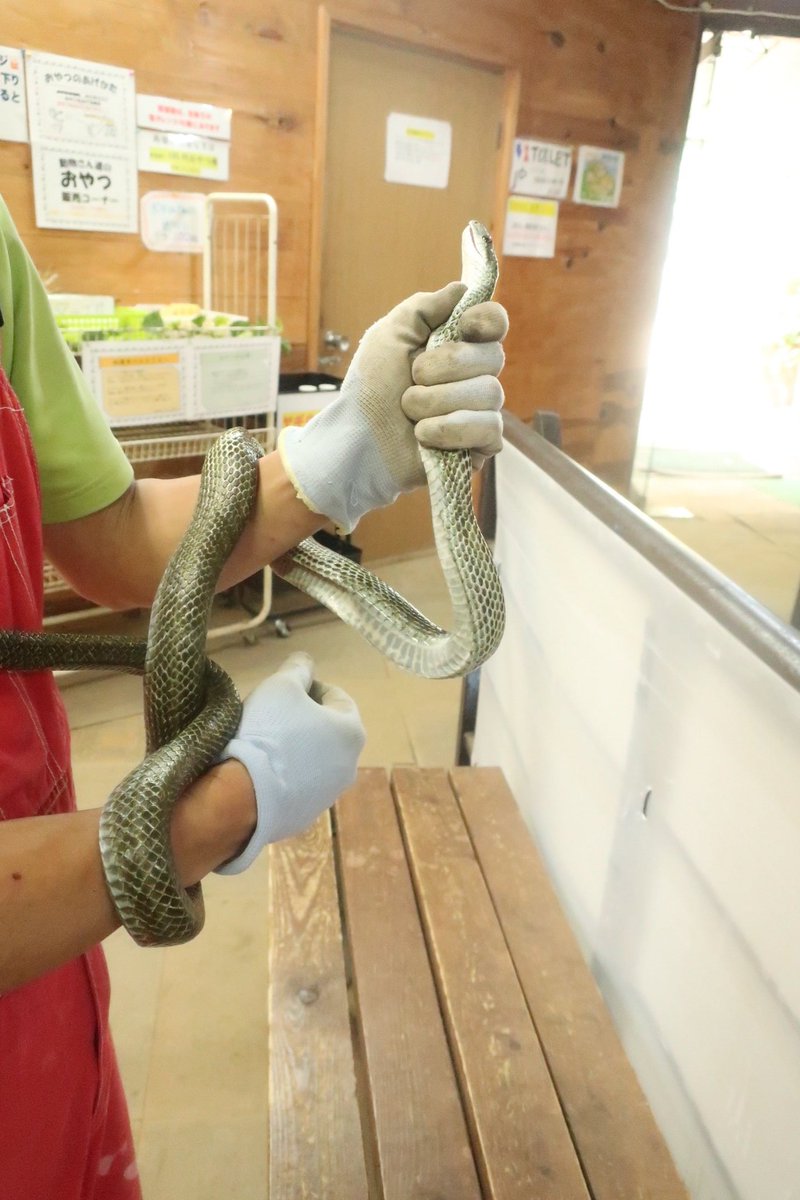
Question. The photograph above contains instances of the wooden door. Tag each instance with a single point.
(383, 241)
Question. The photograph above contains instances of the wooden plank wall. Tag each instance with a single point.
(605, 72)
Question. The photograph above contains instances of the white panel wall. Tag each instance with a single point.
(612, 683)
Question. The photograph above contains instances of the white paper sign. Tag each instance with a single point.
(78, 189)
(598, 179)
(531, 225)
(83, 128)
(139, 382)
(183, 154)
(540, 169)
(183, 116)
(417, 150)
(173, 222)
(79, 102)
(234, 375)
(13, 109)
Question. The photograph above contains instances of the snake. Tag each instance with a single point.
(191, 706)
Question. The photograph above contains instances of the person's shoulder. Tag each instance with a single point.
(6, 233)
(6, 221)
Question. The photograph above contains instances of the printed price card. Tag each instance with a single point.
(138, 382)
(235, 375)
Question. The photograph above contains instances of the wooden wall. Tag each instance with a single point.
(605, 72)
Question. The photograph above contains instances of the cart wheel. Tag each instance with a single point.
(281, 628)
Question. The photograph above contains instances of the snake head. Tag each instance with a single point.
(478, 260)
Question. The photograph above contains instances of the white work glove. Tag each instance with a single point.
(361, 451)
(299, 741)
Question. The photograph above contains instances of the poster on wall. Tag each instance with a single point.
(530, 229)
(183, 154)
(417, 150)
(540, 169)
(598, 179)
(82, 119)
(13, 109)
(183, 116)
(173, 222)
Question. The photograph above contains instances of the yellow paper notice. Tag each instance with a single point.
(140, 386)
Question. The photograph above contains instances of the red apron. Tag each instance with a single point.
(64, 1128)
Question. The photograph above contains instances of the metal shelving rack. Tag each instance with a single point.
(239, 275)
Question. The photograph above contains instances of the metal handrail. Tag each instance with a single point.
(764, 633)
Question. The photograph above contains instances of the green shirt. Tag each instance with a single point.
(82, 466)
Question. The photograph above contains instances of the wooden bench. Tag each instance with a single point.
(435, 1032)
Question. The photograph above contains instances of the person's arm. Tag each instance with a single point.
(117, 556)
(295, 751)
(359, 453)
(112, 537)
(54, 903)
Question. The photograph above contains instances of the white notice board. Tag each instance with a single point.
(418, 150)
(83, 144)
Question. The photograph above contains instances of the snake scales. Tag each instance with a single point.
(191, 706)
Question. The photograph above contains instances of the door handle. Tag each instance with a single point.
(338, 341)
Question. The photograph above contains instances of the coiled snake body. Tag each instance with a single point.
(191, 706)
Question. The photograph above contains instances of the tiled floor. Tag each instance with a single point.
(748, 528)
(190, 1023)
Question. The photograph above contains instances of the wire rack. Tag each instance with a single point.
(239, 276)
(184, 440)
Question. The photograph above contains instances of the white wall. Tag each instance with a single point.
(611, 682)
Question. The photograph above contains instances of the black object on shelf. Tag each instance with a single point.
(342, 545)
(302, 379)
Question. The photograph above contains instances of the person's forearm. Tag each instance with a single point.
(54, 903)
(117, 556)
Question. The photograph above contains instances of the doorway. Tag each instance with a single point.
(382, 241)
(722, 375)
(718, 457)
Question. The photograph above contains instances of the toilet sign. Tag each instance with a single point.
(540, 169)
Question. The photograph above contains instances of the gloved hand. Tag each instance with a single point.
(361, 451)
(299, 741)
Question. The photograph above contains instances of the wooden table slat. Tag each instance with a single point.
(621, 1148)
(316, 1148)
(519, 1134)
(421, 1141)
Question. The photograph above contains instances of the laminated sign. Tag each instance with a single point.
(530, 230)
(13, 109)
(417, 150)
(83, 144)
(540, 169)
(598, 179)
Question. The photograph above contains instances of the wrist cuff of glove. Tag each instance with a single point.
(336, 470)
(267, 788)
(289, 469)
